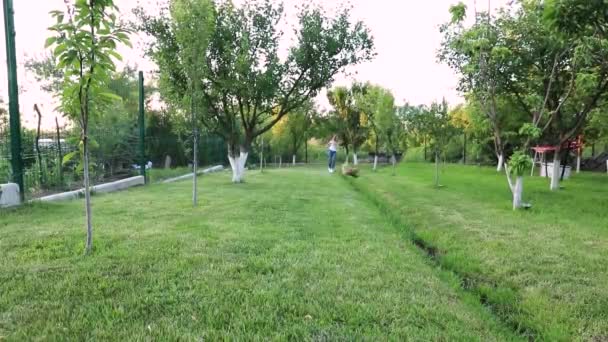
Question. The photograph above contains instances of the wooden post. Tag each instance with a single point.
(59, 153)
(534, 163)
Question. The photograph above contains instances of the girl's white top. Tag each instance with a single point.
(333, 145)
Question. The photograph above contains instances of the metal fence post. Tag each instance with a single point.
(13, 95)
(142, 128)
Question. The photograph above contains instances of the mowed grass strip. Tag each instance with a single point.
(291, 254)
(543, 271)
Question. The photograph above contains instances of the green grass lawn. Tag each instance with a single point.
(543, 271)
(157, 174)
(291, 254)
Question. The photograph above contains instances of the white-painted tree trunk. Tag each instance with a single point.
(394, 162)
(280, 161)
(355, 159)
(293, 162)
(578, 162)
(555, 174)
(237, 164)
(517, 191)
(501, 162)
(375, 162)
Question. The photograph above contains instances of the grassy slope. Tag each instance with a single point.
(290, 254)
(544, 269)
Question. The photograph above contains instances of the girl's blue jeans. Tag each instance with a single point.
(332, 159)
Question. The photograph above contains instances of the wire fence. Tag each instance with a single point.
(51, 159)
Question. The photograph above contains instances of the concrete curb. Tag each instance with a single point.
(101, 188)
(216, 168)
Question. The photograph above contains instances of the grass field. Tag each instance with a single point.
(542, 271)
(157, 174)
(292, 254)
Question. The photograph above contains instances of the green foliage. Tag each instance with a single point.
(293, 131)
(530, 131)
(349, 120)
(520, 163)
(245, 86)
(458, 12)
(597, 127)
(46, 72)
(386, 128)
(547, 59)
(432, 122)
(84, 48)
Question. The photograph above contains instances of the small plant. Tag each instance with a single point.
(519, 163)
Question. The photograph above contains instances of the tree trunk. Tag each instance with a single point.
(394, 162)
(375, 161)
(564, 162)
(262, 157)
(593, 150)
(59, 154)
(555, 172)
(501, 162)
(293, 160)
(424, 149)
(87, 193)
(37, 144)
(195, 168)
(464, 150)
(436, 169)
(578, 161)
(237, 164)
(355, 159)
(280, 161)
(518, 190)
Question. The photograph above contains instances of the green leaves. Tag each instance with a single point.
(529, 130)
(84, 49)
(519, 163)
(458, 12)
(226, 59)
(70, 156)
(49, 42)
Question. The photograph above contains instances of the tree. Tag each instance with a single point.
(85, 49)
(391, 126)
(460, 118)
(596, 130)
(180, 49)
(46, 72)
(350, 119)
(434, 122)
(580, 84)
(245, 85)
(294, 129)
(440, 129)
(474, 53)
(509, 58)
(412, 117)
(379, 106)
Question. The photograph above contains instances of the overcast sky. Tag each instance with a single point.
(406, 34)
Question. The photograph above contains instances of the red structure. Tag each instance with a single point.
(570, 145)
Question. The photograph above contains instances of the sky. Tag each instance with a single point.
(406, 34)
